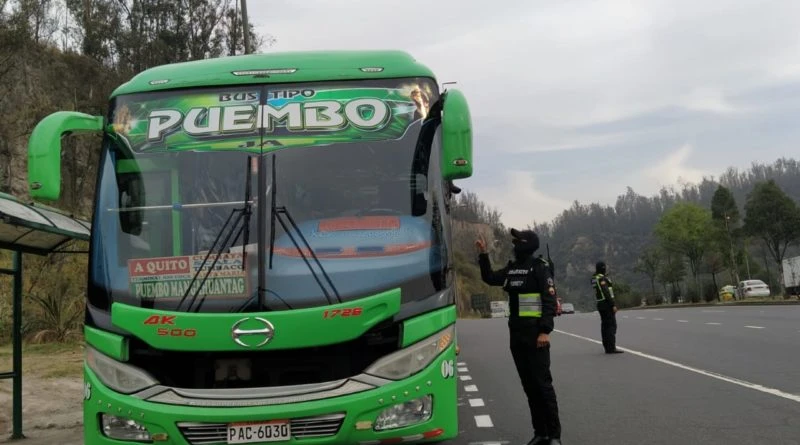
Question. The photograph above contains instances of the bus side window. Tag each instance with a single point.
(131, 195)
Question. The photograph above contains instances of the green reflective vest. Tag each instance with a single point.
(530, 305)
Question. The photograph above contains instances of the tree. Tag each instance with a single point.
(773, 217)
(714, 263)
(723, 205)
(133, 35)
(624, 296)
(725, 216)
(648, 264)
(671, 272)
(684, 229)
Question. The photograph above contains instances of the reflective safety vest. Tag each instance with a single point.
(530, 305)
(599, 294)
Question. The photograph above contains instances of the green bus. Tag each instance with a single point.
(271, 256)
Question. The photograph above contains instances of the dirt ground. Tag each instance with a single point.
(52, 395)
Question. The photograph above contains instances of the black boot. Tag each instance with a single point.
(615, 351)
(539, 440)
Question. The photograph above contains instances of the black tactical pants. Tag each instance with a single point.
(533, 366)
(608, 327)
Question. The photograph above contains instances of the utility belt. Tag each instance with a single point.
(530, 305)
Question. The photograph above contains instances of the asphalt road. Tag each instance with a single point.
(693, 376)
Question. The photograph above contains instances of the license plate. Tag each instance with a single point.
(258, 432)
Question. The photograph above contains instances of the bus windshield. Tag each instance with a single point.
(359, 203)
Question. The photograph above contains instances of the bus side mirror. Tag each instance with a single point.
(44, 150)
(456, 137)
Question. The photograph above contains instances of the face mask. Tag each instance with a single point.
(522, 250)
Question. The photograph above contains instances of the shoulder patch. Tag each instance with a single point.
(550, 282)
(603, 281)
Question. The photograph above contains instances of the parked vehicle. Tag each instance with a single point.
(500, 309)
(753, 289)
(727, 293)
(791, 275)
(567, 308)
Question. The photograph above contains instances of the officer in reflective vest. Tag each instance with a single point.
(532, 306)
(604, 294)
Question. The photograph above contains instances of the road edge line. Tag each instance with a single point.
(724, 378)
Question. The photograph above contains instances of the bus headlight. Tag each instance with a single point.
(405, 414)
(413, 359)
(121, 428)
(118, 376)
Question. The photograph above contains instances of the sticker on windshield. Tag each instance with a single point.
(170, 277)
(237, 119)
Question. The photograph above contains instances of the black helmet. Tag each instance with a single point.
(600, 267)
(525, 241)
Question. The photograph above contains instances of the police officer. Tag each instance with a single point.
(532, 304)
(604, 294)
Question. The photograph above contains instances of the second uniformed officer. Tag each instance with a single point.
(604, 294)
(532, 306)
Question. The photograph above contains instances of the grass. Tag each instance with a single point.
(47, 361)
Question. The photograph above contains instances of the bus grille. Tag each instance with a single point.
(308, 427)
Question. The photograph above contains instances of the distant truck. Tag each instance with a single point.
(499, 309)
(791, 275)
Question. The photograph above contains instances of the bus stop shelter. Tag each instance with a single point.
(33, 229)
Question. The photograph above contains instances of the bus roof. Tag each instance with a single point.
(287, 67)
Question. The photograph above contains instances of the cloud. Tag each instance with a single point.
(521, 200)
(577, 99)
(709, 99)
(673, 169)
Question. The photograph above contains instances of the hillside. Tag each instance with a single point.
(618, 234)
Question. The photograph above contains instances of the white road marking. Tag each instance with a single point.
(755, 327)
(714, 324)
(624, 316)
(658, 319)
(483, 421)
(471, 388)
(462, 364)
(476, 403)
(640, 318)
(683, 321)
(465, 378)
(724, 378)
(460, 370)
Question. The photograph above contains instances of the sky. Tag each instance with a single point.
(579, 99)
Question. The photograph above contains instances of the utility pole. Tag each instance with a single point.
(746, 259)
(246, 27)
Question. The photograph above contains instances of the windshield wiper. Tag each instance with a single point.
(275, 213)
(244, 213)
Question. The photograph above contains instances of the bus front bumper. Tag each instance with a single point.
(348, 419)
